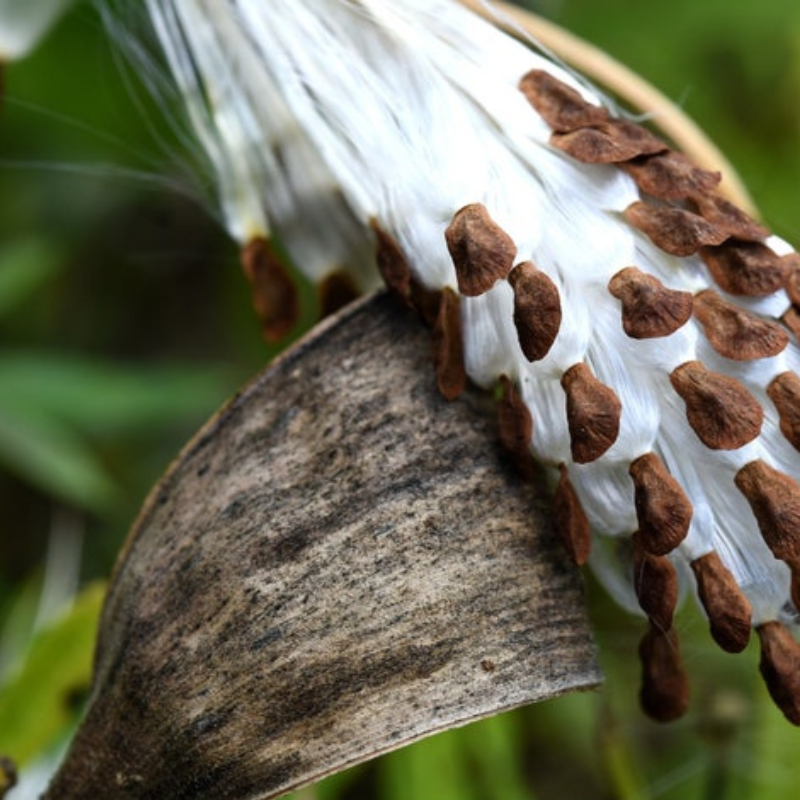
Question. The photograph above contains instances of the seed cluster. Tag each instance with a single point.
(682, 214)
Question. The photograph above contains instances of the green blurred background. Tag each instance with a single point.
(124, 322)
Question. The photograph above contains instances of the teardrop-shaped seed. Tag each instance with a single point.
(784, 391)
(665, 688)
(561, 106)
(729, 612)
(663, 510)
(516, 426)
(570, 519)
(671, 176)
(791, 319)
(723, 414)
(448, 347)
(275, 296)
(481, 250)
(335, 292)
(724, 214)
(392, 262)
(780, 668)
(775, 500)
(675, 230)
(655, 580)
(735, 332)
(649, 309)
(748, 269)
(791, 263)
(537, 310)
(593, 414)
(608, 143)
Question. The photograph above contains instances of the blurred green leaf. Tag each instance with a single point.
(38, 702)
(25, 266)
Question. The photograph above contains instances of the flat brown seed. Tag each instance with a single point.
(665, 688)
(275, 296)
(730, 218)
(655, 580)
(516, 427)
(736, 333)
(792, 264)
(392, 262)
(608, 143)
(671, 176)
(593, 414)
(426, 302)
(794, 566)
(749, 269)
(561, 106)
(675, 230)
(537, 310)
(780, 668)
(649, 309)
(723, 414)
(481, 250)
(448, 347)
(335, 292)
(784, 391)
(775, 500)
(791, 319)
(570, 520)
(663, 510)
(729, 612)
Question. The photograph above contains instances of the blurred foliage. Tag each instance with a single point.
(124, 322)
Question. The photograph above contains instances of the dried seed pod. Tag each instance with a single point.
(780, 668)
(392, 262)
(335, 292)
(675, 230)
(663, 510)
(274, 294)
(537, 310)
(736, 333)
(730, 218)
(481, 250)
(723, 414)
(516, 426)
(655, 580)
(665, 688)
(570, 520)
(649, 309)
(608, 143)
(784, 391)
(448, 347)
(775, 500)
(593, 414)
(561, 106)
(748, 269)
(729, 612)
(671, 176)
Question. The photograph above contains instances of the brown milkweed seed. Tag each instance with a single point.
(516, 426)
(662, 508)
(729, 611)
(671, 176)
(481, 250)
(537, 310)
(775, 500)
(593, 414)
(570, 520)
(649, 309)
(336, 291)
(784, 391)
(791, 319)
(274, 294)
(655, 580)
(608, 143)
(723, 414)
(791, 263)
(780, 668)
(675, 230)
(729, 217)
(392, 263)
(665, 688)
(736, 333)
(561, 106)
(448, 347)
(747, 269)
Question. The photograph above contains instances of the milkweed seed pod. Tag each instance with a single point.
(642, 327)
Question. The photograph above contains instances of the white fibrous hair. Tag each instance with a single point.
(24, 22)
(642, 327)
